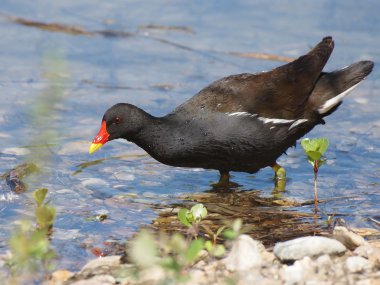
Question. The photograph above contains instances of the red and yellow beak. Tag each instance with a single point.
(100, 139)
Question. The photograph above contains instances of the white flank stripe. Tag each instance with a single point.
(331, 103)
(296, 123)
(237, 114)
(275, 121)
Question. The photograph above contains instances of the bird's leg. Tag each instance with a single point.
(224, 181)
(279, 171)
(224, 178)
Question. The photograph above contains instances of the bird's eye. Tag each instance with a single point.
(117, 120)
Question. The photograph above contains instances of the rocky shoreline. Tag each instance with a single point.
(343, 258)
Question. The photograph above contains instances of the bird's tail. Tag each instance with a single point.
(332, 87)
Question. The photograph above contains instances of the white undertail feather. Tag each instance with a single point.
(331, 103)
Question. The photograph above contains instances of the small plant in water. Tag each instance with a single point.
(314, 150)
(45, 214)
(30, 246)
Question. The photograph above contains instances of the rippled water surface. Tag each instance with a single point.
(157, 69)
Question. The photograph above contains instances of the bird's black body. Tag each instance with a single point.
(242, 122)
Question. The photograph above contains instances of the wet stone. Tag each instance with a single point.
(307, 246)
(100, 265)
(94, 182)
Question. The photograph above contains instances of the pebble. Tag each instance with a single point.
(307, 246)
(245, 254)
(300, 271)
(356, 264)
(94, 182)
(369, 252)
(100, 264)
(350, 239)
(60, 276)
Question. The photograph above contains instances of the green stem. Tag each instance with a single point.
(315, 187)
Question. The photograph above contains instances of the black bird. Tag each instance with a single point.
(241, 122)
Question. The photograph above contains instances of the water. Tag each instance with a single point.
(155, 76)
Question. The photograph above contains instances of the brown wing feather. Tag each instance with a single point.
(279, 93)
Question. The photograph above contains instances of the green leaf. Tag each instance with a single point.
(208, 245)
(193, 251)
(183, 217)
(318, 144)
(39, 195)
(230, 234)
(314, 149)
(199, 212)
(313, 155)
(218, 232)
(45, 216)
(323, 144)
(219, 250)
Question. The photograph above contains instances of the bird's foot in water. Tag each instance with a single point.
(279, 178)
(224, 182)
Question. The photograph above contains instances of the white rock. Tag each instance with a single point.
(370, 252)
(101, 262)
(324, 264)
(307, 246)
(350, 239)
(301, 271)
(356, 264)
(152, 275)
(245, 254)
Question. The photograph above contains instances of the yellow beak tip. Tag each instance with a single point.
(94, 147)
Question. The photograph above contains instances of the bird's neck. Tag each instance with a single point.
(155, 137)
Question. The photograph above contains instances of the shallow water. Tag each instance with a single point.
(92, 73)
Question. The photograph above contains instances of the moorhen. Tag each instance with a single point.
(241, 122)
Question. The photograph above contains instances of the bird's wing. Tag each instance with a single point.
(279, 93)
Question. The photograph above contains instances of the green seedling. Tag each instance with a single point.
(211, 246)
(314, 150)
(191, 218)
(45, 214)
